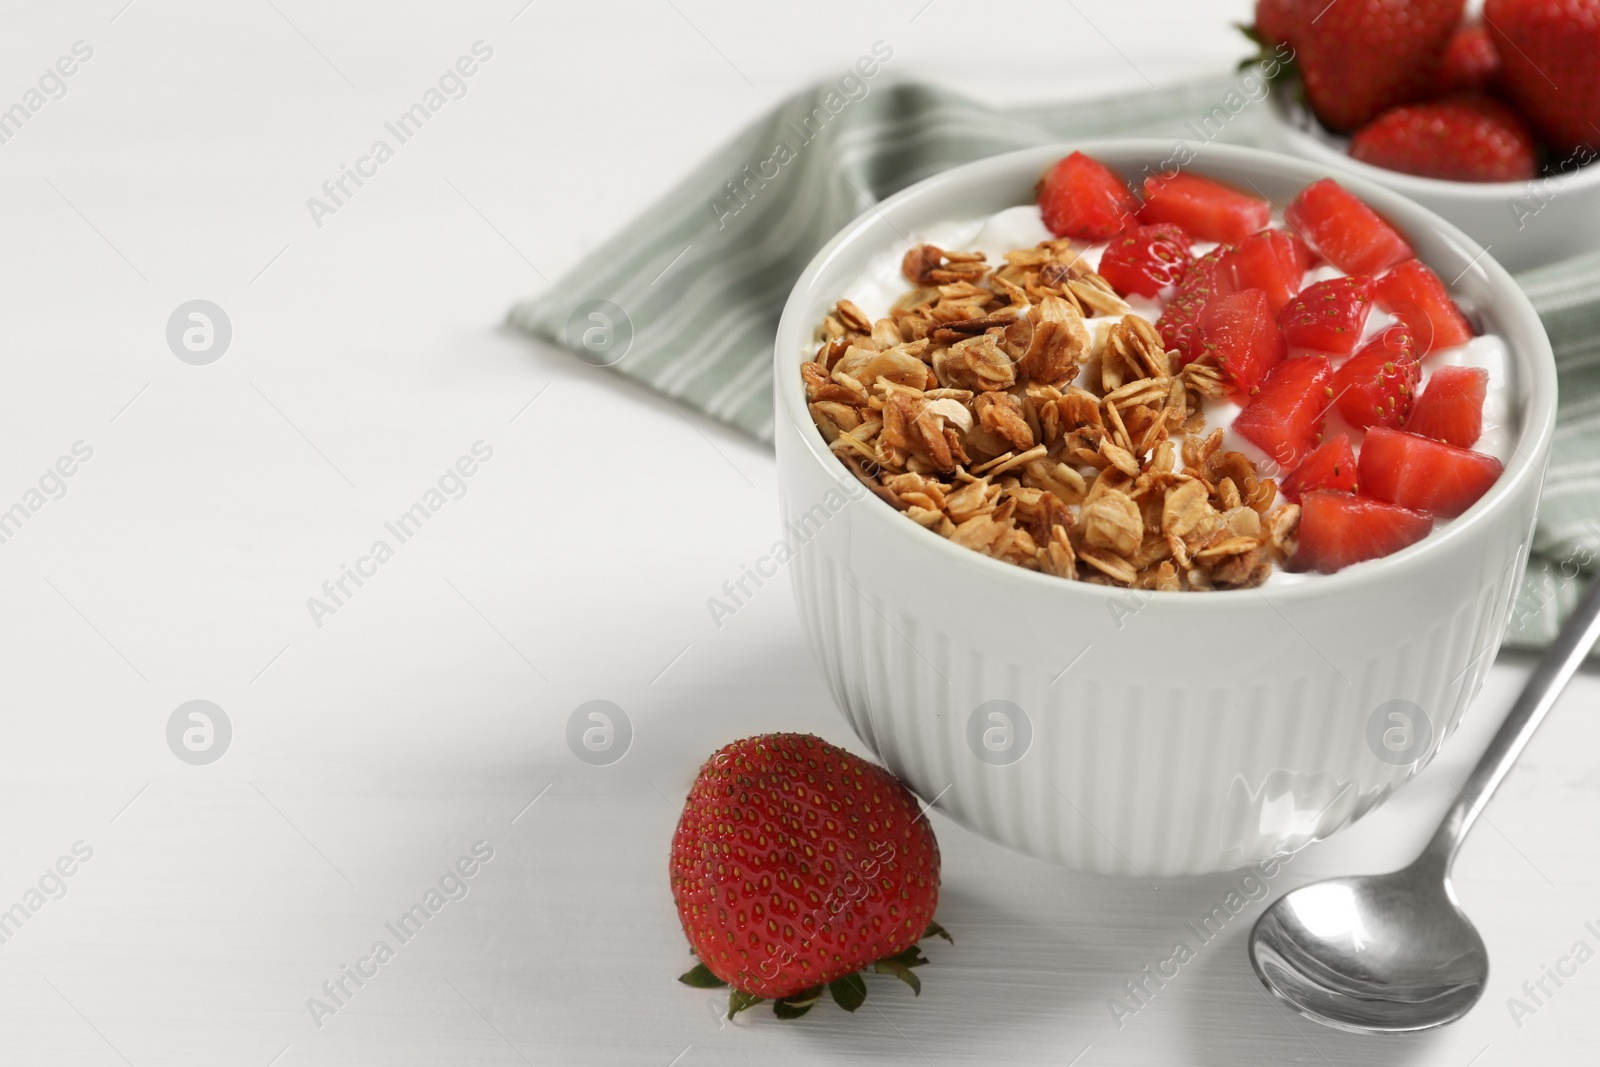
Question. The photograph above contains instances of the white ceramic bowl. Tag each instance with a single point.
(1523, 224)
(1148, 733)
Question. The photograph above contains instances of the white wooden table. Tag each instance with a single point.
(375, 744)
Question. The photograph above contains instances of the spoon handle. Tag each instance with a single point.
(1549, 678)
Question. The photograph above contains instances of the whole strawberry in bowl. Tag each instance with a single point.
(1548, 50)
(1463, 116)
(796, 868)
(1361, 57)
(1467, 138)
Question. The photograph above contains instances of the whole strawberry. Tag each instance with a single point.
(1278, 21)
(1463, 138)
(1470, 63)
(1549, 51)
(796, 865)
(1360, 57)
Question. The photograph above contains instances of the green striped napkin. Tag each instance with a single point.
(686, 299)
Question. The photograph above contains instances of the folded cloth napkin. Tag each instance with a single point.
(686, 299)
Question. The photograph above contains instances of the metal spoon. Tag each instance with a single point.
(1392, 953)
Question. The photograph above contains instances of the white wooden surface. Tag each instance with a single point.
(372, 752)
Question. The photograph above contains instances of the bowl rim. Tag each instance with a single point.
(1289, 113)
(1533, 359)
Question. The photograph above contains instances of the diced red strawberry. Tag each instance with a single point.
(1081, 197)
(1347, 232)
(1450, 409)
(1179, 324)
(1243, 337)
(1414, 294)
(1378, 385)
(1146, 259)
(1208, 210)
(1328, 316)
(1284, 418)
(1414, 472)
(1332, 465)
(1273, 261)
(1302, 251)
(1338, 529)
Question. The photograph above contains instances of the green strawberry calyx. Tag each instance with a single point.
(849, 991)
(1275, 59)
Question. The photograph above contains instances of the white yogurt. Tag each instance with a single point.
(877, 288)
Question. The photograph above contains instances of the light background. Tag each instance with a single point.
(368, 754)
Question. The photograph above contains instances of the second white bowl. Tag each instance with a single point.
(1522, 224)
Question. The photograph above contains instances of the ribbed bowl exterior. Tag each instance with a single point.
(1148, 733)
(1169, 744)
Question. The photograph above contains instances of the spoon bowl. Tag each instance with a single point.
(1388, 953)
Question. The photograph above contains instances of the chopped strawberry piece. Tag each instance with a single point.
(1347, 232)
(1414, 294)
(1206, 209)
(1243, 337)
(1338, 529)
(1201, 282)
(1146, 259)
(1414, 472)
(1081, 197)
(1450, 409)
(1302, 251)
(1284, 418)
(1331, 466)
(1378, 385)
(1273, 261)
(1328, 316)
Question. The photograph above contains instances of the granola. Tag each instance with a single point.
(1023, 410)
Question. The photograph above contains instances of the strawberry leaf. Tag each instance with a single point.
(935, 930)
(784, 1009)
(901, 971)
(1267, 51)
(911, 957)
(849, 992)
(700, 977)
(739, 1000)
(796, 1004)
